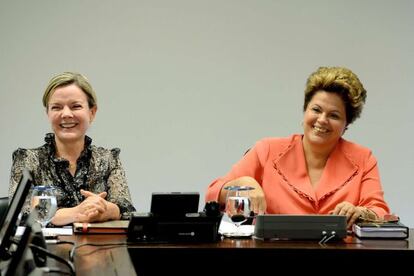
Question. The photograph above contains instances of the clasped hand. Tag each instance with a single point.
(93, 208)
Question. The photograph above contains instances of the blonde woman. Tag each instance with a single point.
(90, 181)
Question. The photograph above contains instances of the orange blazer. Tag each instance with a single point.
(278, 164)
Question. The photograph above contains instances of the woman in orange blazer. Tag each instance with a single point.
(317, 172)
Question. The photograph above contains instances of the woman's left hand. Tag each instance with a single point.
(95, 205)
(349, 210)
(94, 208)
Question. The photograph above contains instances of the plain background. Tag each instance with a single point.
(185, 87)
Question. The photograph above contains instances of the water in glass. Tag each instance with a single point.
(44, 204)
(238, 206)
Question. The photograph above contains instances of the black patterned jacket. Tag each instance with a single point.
(98, 170)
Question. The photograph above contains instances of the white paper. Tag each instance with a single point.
(47, 232)
(227, 227)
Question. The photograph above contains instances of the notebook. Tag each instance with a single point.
(108, 227)
(387, 230)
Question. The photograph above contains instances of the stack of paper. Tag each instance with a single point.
(49, 232)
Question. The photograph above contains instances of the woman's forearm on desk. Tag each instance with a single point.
(65, 216)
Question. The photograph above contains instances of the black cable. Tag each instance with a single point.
(72, 252)
(53, 256)
(57, 241)
(65, 242)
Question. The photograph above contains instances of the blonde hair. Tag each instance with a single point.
(341, 81)
(68, 78)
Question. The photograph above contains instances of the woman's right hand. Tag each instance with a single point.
(257, 196)
(92, 208)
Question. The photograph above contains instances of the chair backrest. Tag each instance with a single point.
(4, 203)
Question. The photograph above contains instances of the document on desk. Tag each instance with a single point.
(227, 227)
(49, 232)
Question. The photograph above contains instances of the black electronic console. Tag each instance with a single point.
(165, 226)
(300, 227)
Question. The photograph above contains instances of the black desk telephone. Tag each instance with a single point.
(174, 218)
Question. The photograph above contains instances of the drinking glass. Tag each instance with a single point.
(238, 207)
(43, 204)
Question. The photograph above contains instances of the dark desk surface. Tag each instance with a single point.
(118, 258)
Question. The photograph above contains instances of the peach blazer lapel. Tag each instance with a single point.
(291, 166)
(339, 170)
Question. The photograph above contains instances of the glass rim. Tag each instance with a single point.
(239, 188)
(43, 187)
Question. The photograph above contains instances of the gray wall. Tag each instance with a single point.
(185, 87)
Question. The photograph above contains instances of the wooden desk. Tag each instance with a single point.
(96, 260)
(152, 259)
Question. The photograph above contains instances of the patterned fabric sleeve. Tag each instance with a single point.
(118, 191)
(22, 158)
